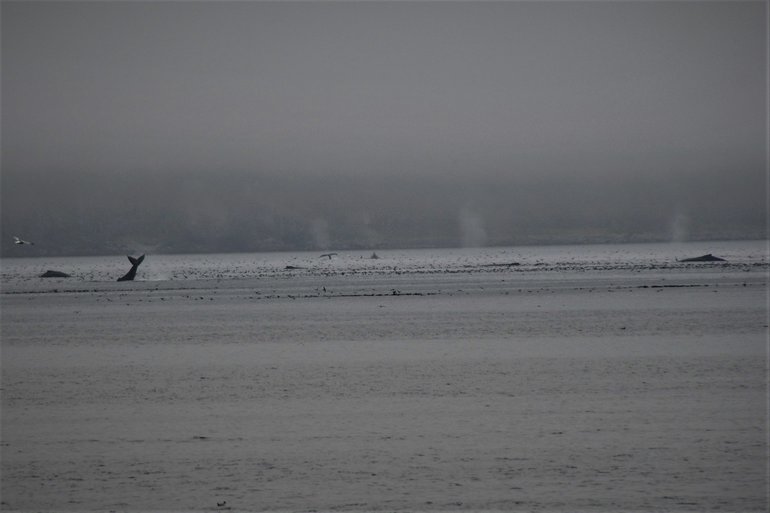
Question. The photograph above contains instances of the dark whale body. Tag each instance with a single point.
(134, 266)
(54, 274)
(704, 258)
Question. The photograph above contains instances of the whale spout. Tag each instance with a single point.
(131, 274)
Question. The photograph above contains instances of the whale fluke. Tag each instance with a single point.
(134, 266)
(328, 255)
(703, 258)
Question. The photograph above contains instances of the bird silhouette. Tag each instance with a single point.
(17, 240)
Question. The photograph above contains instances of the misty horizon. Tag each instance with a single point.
(370, 215)
(266, 126)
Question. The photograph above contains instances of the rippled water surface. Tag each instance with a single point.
(184, 270)
(572, 378)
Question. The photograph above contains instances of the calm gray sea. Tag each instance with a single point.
(556, 379)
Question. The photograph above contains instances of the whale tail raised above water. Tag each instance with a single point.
(134, 266)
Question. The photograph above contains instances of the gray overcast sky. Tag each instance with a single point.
(261, 116)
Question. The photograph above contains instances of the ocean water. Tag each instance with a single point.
(563, 378)
(186, 270)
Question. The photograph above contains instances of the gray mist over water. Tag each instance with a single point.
(252, 126)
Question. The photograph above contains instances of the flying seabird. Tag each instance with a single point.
(17, 240)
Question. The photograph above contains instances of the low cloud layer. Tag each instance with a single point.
(258, 126)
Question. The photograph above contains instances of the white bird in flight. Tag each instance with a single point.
(17, 240)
